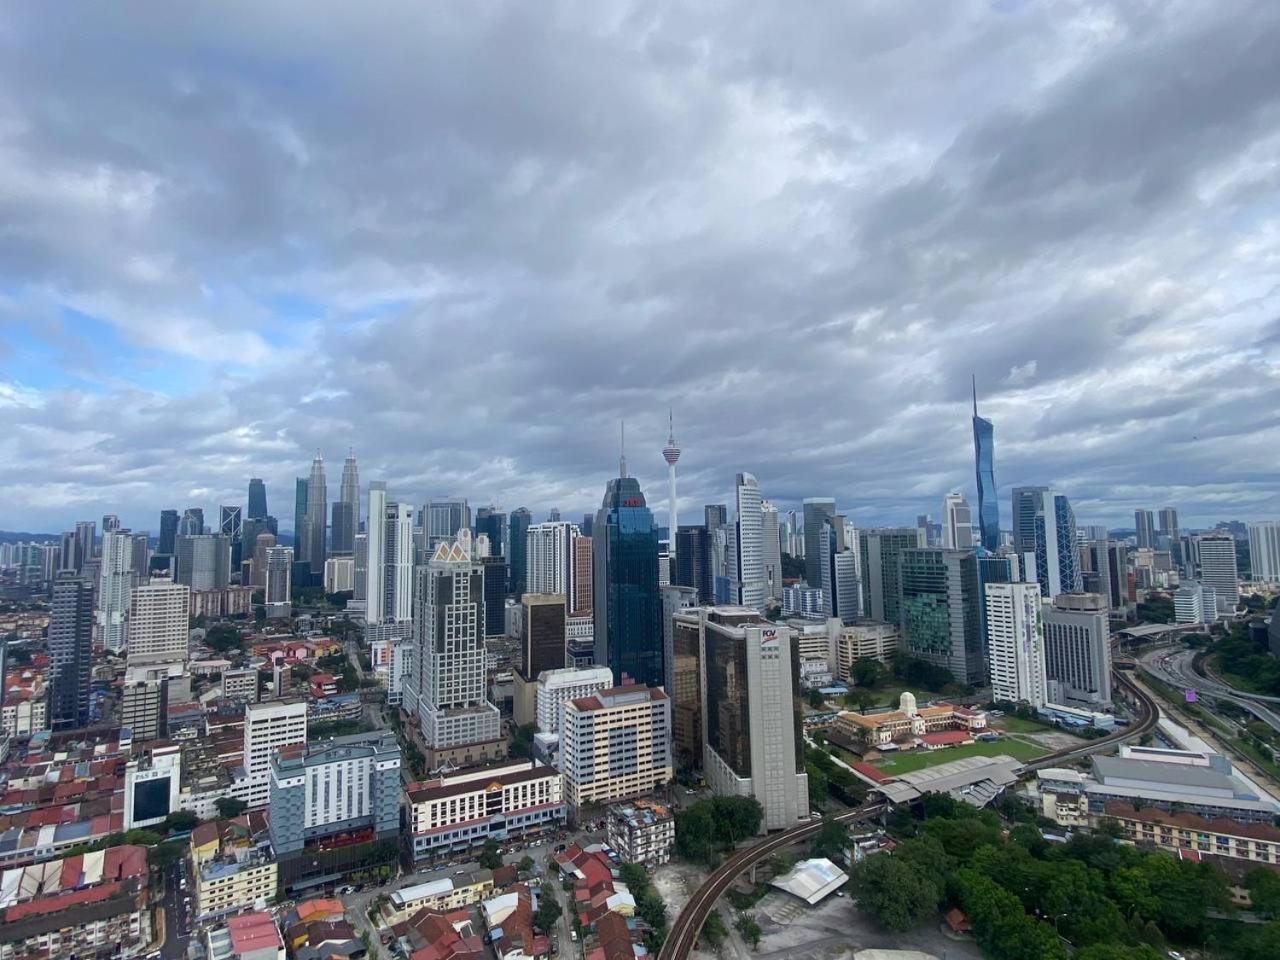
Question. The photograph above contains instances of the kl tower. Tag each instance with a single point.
(671, 453)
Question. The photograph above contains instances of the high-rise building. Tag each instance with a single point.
(397, 562)
(517, 540)
(1045, 534)
(115, 579)
(257, 504)
(300, 518)
(772, 547)
(492, 522)
(448, 691)
(693, 561)
(278, 585)
(70, 651)
(558, 687)
(841, 583)
(495, 594)
(158, 618)
(1015, 633)
(360, 572)
(346, 510)
(957, 523)
(258, 564)
(549, 558)
(166, 544)
(110, 523)
(580, 599)
(671, 453)
(376, 547)
(542, 648)
(752, 713)
(192, 522)
(140, 553)
(1144, 524)
(443, 517)
(316, 520)
(816, 510)
(941, 610)
(879, 552)
(1217, 554)
(984, 452)
(86, 541)
(746, 556)
(1193, 602)
(268, 728)
(204, 561)
(1169, 523)
(1077, 648)
(627, 607)
(615, 744)
(144, 709)
(1264, 550)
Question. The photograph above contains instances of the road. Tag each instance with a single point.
(1174, 668)
(177, 918)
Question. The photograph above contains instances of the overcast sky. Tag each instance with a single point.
(466, 239)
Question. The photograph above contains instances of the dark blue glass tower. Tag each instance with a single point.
(257, 506)
(627, 604)
(518, 533)
(984, 452)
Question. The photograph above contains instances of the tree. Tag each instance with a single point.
(491, 855)
(867, 672)
(863, 699)
(229, 807)
(817, 784)
(713, 929)
(522, 741)
(695, 833)
(223, 637)
(815, 698)
(164, 854)
(525, 864)
(749, 927)
(180, 821)
(548, 913)
(830, 841)
(1258, 943)
(1264, 891)
(899, 896)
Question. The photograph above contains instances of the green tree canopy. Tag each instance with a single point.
(895, 892)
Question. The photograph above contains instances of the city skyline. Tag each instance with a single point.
(183, 310)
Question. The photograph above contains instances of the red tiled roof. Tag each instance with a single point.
(946, 738)
(1191, 821)
(253, 931)
(957, 920)
(871, 772)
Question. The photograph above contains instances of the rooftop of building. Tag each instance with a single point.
(1163, 772)
(254, 931)
(812, 880)
(642, 812)
(502, 776)
(56, 885)
(627, 695)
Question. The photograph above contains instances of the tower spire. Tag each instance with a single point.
(622, 448)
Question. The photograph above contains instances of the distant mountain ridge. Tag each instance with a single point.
(12, 536)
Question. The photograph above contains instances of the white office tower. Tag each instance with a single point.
(549, 554)
(671, 453)
(278, 592)
(397, 562)
(1217, 553)
(772, 546)
(1077, 649)
(114, 583)
(449, 659)
(375, 551)
(1015, 643)
(749, 712)
(1193, 602)
(746, 553)
(1264, 550)
(158, 619)
(957, 523)
(558, 687)
(268, 727)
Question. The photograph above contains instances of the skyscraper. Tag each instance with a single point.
(1264, 550)
(1015, 632)
(390, 573)
(346, 509)
(627, 606)
(203, 562)
(549, 558)
(376, 546)
(581, 598)
(449, 660)
(158, 619)
(957, 523)
(443, 518)
(671, 453)
(492, 522)
(231, 526)
(517, 537)
(941, 610)
(1217, 553)
(278, 587)
(1045, 536)
(693, 562)
(772, 548)
(168, 532)
(192, 522)
(115, 579)
(841, 583)
(1077, 648)
(1144, 526)
(495, 594)
(86, 540)
(1169, 523)
(984, 453)
(879, 562)
(299, 518)
(70, 651)
(748, 544)
(257, 505)
(316, 519)
(816, 510)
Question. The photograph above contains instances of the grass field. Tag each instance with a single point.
(919, 759)
(1021, 725)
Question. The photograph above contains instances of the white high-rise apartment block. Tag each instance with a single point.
(449, 655)
(339, 574)
(772, 546)
(375, 552)
(397, 562)
(158, 620)
(1015, 642)
(1193, 602)
(558, 687)
(1077, 648)
(278, 591)
(268, 727)
(615, 745)
(1264, 550)
(549, 553)
(1218, 571)
(391, 649)
(957, 523)
(114, 583)
(748, 544)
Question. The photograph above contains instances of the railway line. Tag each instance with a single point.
(684, 931)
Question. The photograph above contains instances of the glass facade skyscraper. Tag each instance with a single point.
(627, 604)
(257, 506)
(941, 610)
(518, 526)
(984, 452)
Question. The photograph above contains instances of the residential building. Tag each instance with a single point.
(558, 687)
(159, 615)
(391, 560)
(880, 562)
(1144, 525)
(249, 936)
(581, 598)
(627, 607)
(71, 612)
(340, 571)
(1217, 555)
(770, 538)
(865, 640)
(615, 744)
(268, 729)
(115, 579)
(278, 589)
(957, 523)
(816, 510)
(752, 714)
(641, 832)
(1194, 834)
(448, 688)
(504, 801)
(940, 609)
(550, 555)
(1193, 602)
(1015, 636)
(984, 462)
(25, 707)
(391, 648)
(144, 707)
(1264, 550)
(1077, 649)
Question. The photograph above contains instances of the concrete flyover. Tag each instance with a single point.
(1178, 670)
(684, 931)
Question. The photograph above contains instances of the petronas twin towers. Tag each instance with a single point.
(312, 545)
